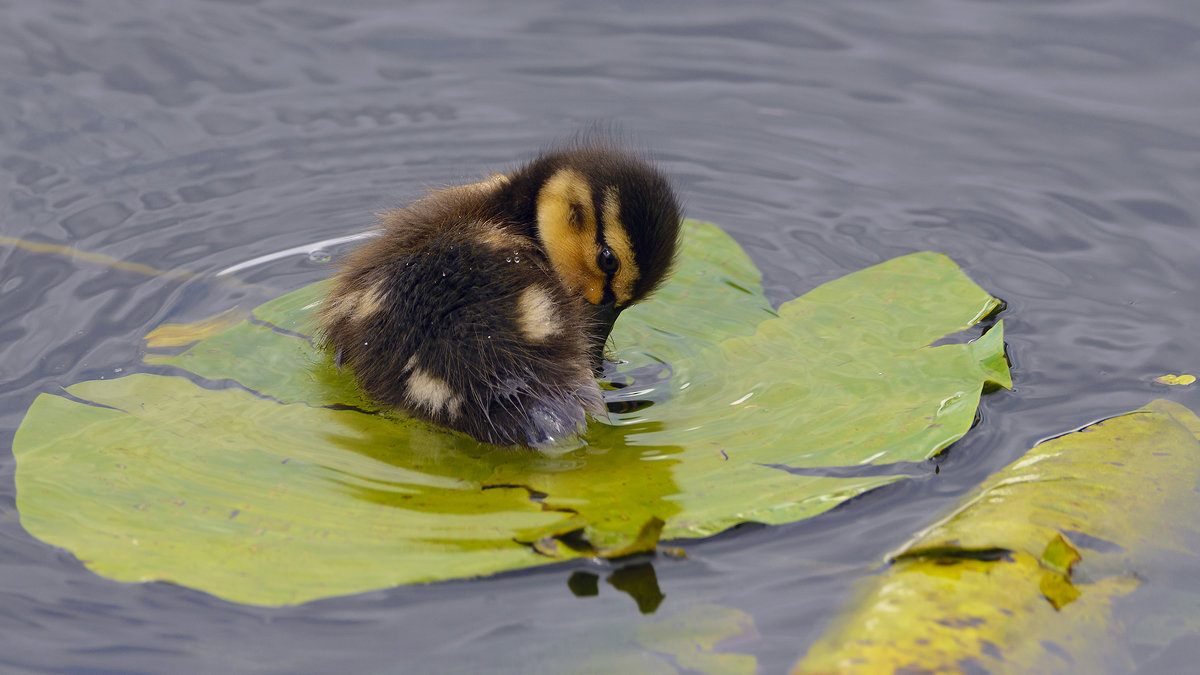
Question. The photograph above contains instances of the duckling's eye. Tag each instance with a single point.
(607, 262)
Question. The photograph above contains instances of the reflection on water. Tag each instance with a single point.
(1049, 148)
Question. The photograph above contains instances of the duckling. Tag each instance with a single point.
(485, 308)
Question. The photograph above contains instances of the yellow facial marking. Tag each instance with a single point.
(567, 227)
(537, 315)
(428, 392)
(618, 241)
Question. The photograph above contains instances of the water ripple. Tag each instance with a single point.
(1049, 147)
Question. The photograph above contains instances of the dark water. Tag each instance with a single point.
(1051, 148)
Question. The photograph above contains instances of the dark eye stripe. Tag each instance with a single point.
(616, 239)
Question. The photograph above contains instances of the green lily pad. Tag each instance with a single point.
(693, 639)
(1023, 575)
(250, 467)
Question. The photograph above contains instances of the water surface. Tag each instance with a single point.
(1051, 148)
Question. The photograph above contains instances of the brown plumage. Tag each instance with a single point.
(485, 307)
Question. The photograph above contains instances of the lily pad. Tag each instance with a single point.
(693, 639)
(250, 467)
(1022, 577)
(1176, 380)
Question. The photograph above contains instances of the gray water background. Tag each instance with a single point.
(1051, 148)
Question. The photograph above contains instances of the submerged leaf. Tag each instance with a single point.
(1023, 575)
(692, 639)
(184, 334)
(262, 475)
(1057, 589)
(1060, 556)
(646, 541)
(682, 638)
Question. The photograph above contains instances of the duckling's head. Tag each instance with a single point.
(609, 224)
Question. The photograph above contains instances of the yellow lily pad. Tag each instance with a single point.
(1175, 380)
(1023, 575)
